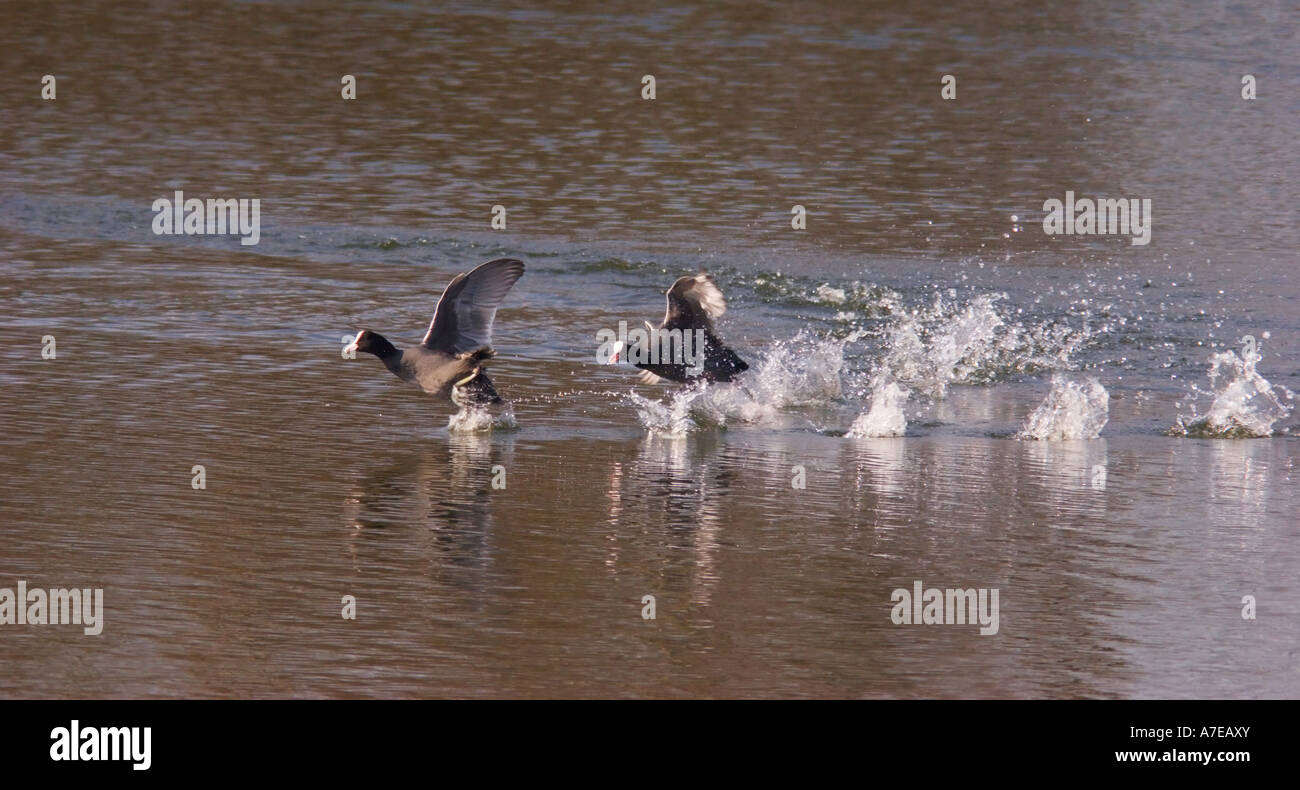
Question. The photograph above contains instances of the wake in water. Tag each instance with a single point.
(926, 350)
(1244, 404)
(1076, 408)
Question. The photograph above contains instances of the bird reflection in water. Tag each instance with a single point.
(444, 489)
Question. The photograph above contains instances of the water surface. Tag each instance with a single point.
(328, 477)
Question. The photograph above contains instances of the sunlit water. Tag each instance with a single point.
(927, 374)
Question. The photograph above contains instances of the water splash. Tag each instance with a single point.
(885, 417)
(1076, 408)
(1244, 406)
(948, 343)
(670, 417)
(477, 419)
(800, 372)
(830, 295)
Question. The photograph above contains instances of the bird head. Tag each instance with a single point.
(368, 342)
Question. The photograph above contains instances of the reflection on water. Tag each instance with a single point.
(770, 540)
(446, 491)
(456, 580)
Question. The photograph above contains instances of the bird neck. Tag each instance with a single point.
(380, 347)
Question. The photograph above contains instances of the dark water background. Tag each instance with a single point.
(328, 477)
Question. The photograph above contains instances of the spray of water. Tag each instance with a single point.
(886, 416)
(948, 343)
(476, 419)
(802, 371)
(1243, 405)
(1075, 408)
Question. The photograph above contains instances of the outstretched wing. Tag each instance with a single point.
(693, 303)
(463, 319)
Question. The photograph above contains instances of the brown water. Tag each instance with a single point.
(328, 477)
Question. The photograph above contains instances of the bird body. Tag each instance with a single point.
(449, 361)
(693, 302)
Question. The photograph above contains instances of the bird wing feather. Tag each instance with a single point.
(463, 319)
(693, 302)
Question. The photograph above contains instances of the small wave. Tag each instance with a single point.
(1244, 404)
(614, 264)
(1076, 408)
(855, 299)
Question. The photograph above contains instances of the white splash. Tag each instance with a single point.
(885, 417)
(1245, 405)
(669, 417)
(803, 371)
(831, 295)
(932, 348)
(1076, 408)
(478, 419)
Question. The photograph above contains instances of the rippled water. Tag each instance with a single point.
(913, 301)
